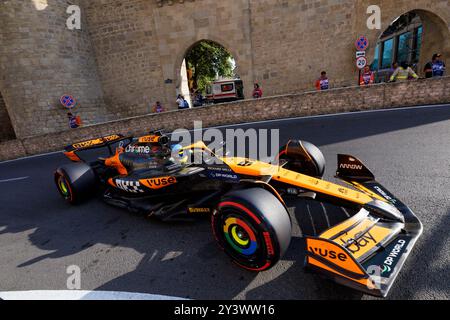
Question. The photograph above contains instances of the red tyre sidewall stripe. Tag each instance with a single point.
(241, 207)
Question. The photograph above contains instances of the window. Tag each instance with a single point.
(388, 54)
(404, 47)
(376, 59)
(417, 45)
(227, 87)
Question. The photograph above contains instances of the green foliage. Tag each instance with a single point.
(208, 60)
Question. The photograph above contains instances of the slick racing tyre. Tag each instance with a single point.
(303, 157)
(75, 182)
(253, 227)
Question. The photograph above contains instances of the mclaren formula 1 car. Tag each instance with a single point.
(246, 201)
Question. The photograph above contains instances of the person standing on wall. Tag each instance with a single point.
(403, 73)
(323, 83)
(367, 77)
(74, 121)
(180, 102)
(257, 91)
(436, 67)
(158, 108)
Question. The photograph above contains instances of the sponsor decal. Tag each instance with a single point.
(91, 143)
(351, 166)
(269, 245)
(129, 186)
(246, 163)
(384, 263)
(329, 254)
(385, 195)
(222, 173)
(149, 139)
(159, 183)
(355, 246)
(199, 210)
(86, 144)
(391, 260)
(139, 149)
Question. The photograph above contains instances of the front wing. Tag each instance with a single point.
(365, 252)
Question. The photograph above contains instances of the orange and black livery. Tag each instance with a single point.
(246, 202)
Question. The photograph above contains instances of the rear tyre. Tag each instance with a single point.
(75, 182)
(303, 157)
(253, 228)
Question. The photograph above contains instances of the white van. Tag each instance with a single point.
(225, 91)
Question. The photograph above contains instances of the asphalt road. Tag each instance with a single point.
(40, 235)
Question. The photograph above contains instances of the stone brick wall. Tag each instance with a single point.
(140, 43)
(118, 64)
(432, 91)
(40, 60)
(6, 129)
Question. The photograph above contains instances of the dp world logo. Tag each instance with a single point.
(385, 269)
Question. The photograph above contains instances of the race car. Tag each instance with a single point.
(246, 200)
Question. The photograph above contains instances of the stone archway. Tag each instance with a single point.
(189, 44)
(172, 57)
(182, 85)
(434, 38)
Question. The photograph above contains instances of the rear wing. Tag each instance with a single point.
(367, 251)
(72, 151)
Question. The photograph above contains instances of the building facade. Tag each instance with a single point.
(128, 53)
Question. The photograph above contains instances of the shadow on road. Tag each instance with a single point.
(182, 259)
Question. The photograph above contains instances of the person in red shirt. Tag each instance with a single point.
(367, 77)
(257, 92)
(323, 83)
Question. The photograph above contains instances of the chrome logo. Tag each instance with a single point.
(240, 236)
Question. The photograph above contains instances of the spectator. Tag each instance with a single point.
(180, 102)
(435, 68)
(367, 77)
(323, 83)
(257, 92)
(74, 121)
(185, 104)
(158, 108)
(403, 73)
(198, 99)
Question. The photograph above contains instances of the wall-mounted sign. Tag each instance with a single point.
(360, 54)
(362, 43)
(68, 101)
(361, 62)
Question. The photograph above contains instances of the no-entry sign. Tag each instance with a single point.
(68, 101)
(362, 43)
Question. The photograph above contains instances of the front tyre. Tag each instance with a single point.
(253, 227)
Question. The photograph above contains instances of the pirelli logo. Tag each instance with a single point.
(159, 183)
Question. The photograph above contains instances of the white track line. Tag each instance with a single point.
(14, 179)
(82, 295)
(271, 121)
